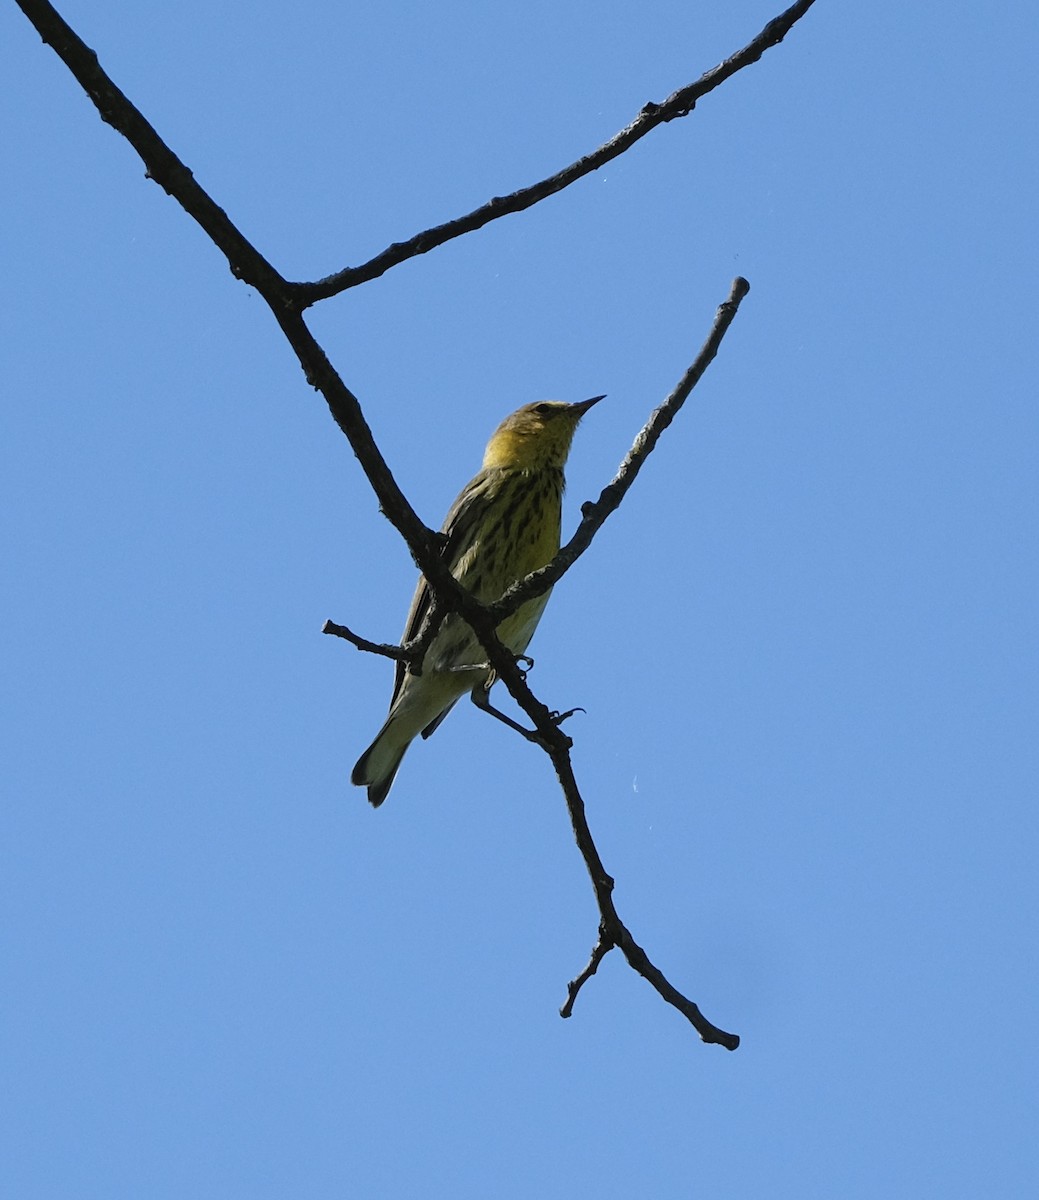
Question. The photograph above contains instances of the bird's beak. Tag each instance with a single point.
(585, 405)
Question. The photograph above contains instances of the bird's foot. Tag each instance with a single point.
(557, 718)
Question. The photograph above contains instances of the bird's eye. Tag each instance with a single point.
(544, 410)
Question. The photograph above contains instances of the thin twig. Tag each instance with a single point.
(612, 930)
(599, 951)
(398, 653)
(679, 104)
(593, 515)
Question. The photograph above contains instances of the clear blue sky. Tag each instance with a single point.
(807, 645)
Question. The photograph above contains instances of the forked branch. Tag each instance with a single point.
(612, 930)
(288, 301)
(485, 618)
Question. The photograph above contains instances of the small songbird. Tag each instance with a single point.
(505, 523)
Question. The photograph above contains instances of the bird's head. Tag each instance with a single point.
(536, 436)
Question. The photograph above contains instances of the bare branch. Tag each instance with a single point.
(679, 104)
(612, 930)
(593, 515)
(398, 653)
(557, 744)
(484, 621)
(599, 951)
(287, 302)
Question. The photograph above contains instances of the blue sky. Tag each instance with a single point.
(806, 644)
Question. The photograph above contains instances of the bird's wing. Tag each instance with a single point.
(457, 533)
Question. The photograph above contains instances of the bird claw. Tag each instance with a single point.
(557, 718)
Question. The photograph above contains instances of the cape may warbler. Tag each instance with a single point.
(504, 524)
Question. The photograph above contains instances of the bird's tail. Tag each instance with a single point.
(378, 765)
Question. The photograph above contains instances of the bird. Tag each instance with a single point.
(504, 524)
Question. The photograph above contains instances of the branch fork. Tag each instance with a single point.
(288, 302)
